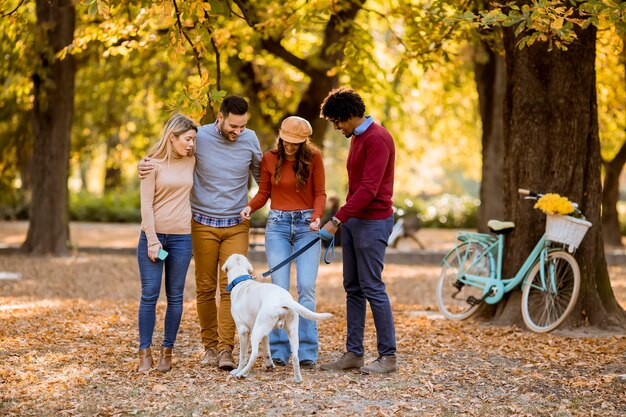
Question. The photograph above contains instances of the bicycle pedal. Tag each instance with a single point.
(471, 300)
(458, 284)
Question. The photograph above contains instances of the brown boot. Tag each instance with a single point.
(165, 363)
(209, 357)
(225, 360)
(382, 365)
(145, 360)
(348, 361)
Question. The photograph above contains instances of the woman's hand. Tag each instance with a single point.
(153, 251)
(314, 226)
(245, 213)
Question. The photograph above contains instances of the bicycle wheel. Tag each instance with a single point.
(546, 304)
(452, 290)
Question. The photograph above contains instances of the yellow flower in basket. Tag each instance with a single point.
(554, 204)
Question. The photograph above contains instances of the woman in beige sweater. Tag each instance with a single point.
(165, 240)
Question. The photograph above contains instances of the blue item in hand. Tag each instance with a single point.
(162, 254)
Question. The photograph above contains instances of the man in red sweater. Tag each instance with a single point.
(367, 220)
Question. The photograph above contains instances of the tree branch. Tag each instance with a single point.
(274, 47)
(216, 52)
(14, 10)
(619, 159)
(182, 31)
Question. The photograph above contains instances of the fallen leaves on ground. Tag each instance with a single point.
(68, 343)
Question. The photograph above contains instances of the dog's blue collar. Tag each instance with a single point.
(237, 280)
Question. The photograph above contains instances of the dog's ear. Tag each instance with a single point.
(226, 264)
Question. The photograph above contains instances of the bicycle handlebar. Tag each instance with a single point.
(528, 193)
(535, 195)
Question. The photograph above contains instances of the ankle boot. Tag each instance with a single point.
(145, 360)
(165, 363)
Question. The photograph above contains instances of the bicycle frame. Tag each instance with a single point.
(502, 286)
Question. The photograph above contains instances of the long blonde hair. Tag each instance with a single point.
(176, 125)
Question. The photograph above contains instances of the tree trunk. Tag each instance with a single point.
(611, 230)
(309, 106)
(315, 66)
(113, 170)
(490, 75)
(48, 231)
(552, 145)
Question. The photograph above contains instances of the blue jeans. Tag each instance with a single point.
(363, 248)
(287, 232)
(176, 265)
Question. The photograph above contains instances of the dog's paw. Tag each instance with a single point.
(234, 372)
(297, 379)
(270, 368)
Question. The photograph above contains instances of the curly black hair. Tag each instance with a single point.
(342, 104)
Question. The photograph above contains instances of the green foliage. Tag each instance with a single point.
(444, 211)
(551, 21)
(13, 202)
(119, 207)
(611, 91)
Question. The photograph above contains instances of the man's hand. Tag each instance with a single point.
(314, 226)
(330, 228)
(245, 213)
(145, 167)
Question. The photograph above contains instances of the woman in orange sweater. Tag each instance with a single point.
(292, 176)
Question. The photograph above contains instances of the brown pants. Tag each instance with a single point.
(211, 247)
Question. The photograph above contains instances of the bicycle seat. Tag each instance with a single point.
(498, 227)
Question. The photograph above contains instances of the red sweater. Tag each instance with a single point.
(370, 175)
(285, 195)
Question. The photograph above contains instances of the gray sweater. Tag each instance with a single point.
(220, 180)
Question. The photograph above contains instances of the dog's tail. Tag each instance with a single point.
(306, 313)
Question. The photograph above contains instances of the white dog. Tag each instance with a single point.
(259, 307)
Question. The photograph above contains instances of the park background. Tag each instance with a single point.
(480, 99)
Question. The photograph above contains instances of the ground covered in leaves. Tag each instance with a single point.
(68, 344)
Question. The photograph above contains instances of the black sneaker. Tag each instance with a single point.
(307, 364)
(279, 362)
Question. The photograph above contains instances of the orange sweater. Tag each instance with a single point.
(284, 195)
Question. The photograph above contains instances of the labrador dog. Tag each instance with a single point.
(259, 307)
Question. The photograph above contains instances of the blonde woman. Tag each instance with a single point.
(165, 240)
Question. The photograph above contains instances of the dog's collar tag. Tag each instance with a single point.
(237, 280)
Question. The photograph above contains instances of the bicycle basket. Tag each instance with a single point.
(566, 229)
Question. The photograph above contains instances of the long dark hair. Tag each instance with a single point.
(302, 166)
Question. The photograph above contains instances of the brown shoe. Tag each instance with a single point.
(225, 360)
(209, 357)
(145, 360)
(382, 365)
(165, 363)
(348, 361)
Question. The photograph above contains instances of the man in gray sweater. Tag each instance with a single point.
(226, 154)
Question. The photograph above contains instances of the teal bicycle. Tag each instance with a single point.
(550, 277)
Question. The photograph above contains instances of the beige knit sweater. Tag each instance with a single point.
(165, 204)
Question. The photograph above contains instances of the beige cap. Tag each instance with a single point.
(295, 129)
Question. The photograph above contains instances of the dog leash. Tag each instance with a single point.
(323, 235)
